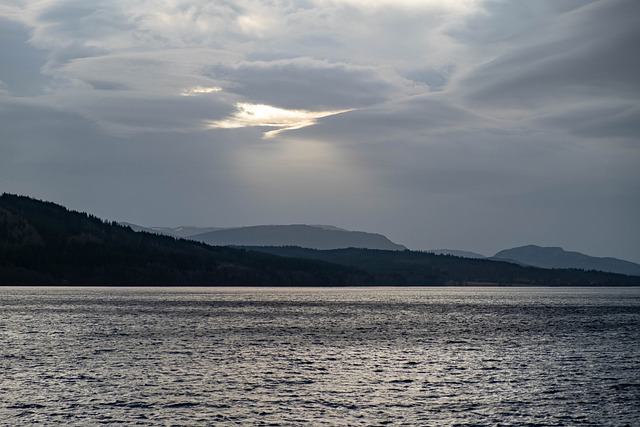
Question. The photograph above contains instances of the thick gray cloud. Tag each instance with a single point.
(586, 55)
(20, 68)
(305, 83)
(476, 124)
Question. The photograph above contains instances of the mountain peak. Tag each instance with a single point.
(311, 236)
(303, 235)
(557, 257)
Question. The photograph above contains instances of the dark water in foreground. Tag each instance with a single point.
(376, 356)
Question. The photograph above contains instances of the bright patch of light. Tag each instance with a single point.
(253, 24)
(248, 114)
(198, 90)
(442, 5)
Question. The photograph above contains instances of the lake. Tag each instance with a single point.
(416, 356)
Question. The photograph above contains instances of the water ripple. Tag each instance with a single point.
(332, 357)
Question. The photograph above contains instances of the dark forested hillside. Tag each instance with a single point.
(44, 243)
(411, 268)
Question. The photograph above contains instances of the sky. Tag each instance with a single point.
(476, 125)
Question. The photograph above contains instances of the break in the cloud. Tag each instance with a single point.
(198, 90)
(475, 124)
(267, 116)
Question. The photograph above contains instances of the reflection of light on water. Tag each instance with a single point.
(337, 356)
(368, 356)
(248, 114)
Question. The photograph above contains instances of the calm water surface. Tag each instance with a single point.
(292, 356)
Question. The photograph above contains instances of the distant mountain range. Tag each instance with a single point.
(326, 237)
(303, 235)
(552, 257)
(555, 257)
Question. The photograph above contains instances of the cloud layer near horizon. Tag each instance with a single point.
(478, 124)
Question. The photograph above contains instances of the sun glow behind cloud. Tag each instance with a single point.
(462, 6)
(199, 90)
(262, 115)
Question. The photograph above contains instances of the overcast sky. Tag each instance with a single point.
(469, 124)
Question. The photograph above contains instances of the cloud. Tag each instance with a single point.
(416, 118)
(572, 60)
(308, 83)
(432, 5)
(20, 76)
(151, 114)
(607, 119)
(88, 52)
